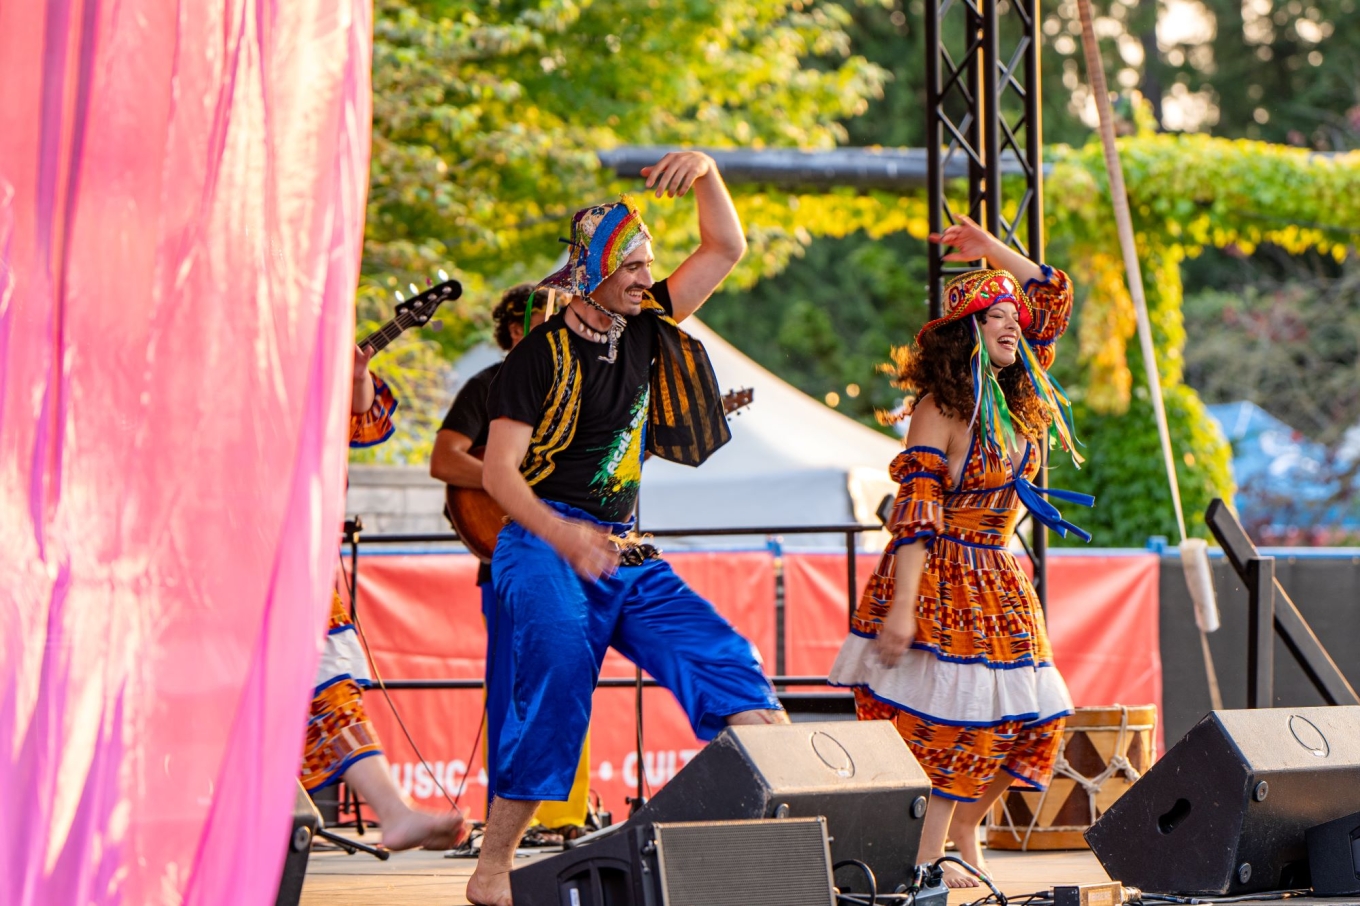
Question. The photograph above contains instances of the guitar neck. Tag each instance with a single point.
(394, 328)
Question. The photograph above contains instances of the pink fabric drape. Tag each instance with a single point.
(181, 207)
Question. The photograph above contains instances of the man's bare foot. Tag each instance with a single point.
(427, 830)
(488, 887)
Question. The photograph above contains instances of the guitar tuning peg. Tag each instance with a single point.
(443, 274)
(436, 325)
(400, 297)
(414, 290)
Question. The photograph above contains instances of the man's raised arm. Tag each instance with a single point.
(721, 239)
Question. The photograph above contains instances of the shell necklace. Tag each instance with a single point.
(617, 323)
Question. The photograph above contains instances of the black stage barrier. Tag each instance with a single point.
(823, 705)
(1324, 586)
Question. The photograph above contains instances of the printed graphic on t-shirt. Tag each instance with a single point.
(621, 470)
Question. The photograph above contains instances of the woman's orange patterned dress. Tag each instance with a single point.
(977, 692)
(338, 730)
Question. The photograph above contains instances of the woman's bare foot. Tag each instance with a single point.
(427, 830)
(489, 888)
(956, 877)
(966, 840)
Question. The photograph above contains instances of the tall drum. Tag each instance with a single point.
(1104, 750)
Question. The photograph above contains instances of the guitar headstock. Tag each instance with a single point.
(417, 310)
(734, 401)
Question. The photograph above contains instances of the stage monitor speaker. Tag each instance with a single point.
(1226, 810)
(306, 822)
(1334, 857)
(706, 863)
(859, 775)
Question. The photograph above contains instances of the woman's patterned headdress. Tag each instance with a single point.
(978, 291)
(601, 237)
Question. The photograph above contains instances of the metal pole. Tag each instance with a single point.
(780, 615)
(851, 576)
(1034, 242)
(1261, 632)
(977, 132)
(989, 120)
(934, 139)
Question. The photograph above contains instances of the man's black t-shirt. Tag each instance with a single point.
(592, 461)
(468, 415)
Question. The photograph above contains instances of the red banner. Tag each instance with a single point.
(1102, 620)
(421, 614)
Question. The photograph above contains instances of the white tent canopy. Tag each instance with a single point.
(792, 461)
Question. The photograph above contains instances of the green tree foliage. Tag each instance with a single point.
(1125, 470)
(1189, 193)
(1277, 70)
(488, 116)
(1288, 342)
(827, 325)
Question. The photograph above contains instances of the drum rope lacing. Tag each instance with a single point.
(1119, 764)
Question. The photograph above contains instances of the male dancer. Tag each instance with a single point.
(572, 410)
(341, 743)
(464, 429)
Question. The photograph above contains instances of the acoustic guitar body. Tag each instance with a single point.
(478, 519)
(475, 516)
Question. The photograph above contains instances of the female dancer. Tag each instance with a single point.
(948, 641)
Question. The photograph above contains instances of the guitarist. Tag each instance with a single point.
(464, 429)
(341, 743)
(572, 410)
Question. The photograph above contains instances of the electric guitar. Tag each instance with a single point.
(478, 519)
(414, 312)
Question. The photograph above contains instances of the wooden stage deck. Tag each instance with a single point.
(429, 879)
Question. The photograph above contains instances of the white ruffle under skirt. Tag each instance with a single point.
(962, 695)
(342, 657)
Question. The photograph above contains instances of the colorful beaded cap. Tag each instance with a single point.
(601, 237)
(978, 290)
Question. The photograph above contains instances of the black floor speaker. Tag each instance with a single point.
(859, 775)
(702, 863)
(1334, 857)
(306, 822)
(1227, 809)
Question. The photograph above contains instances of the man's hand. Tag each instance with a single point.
(897, 633)
(676, 172)
(586, 547)
(361, 400)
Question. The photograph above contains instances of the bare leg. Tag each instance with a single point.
(757, 717)
(403, 827)
(490, 883)
(968, 817)
(938, 817)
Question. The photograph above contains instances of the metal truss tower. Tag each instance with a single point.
(984, 107)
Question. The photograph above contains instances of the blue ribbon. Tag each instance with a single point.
(1031, 495)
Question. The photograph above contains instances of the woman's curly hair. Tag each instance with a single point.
(942, 366)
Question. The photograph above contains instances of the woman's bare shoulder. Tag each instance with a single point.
(931, 426)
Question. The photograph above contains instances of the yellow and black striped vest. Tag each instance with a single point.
(685, 422)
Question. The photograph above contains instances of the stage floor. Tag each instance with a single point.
(429, 879)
